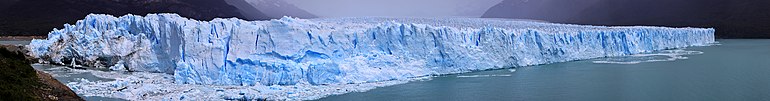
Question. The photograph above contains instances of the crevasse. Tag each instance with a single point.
(289, 51)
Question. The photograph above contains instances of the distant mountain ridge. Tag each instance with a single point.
(247, 9)
(730, 18)
(278, 8)
(38, 17)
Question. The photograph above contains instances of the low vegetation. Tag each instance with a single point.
(20, 82)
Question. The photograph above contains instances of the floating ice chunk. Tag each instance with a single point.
(475, 76)
(665, 55)
(159, 86)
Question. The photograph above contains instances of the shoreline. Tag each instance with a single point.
(20, 81)
(19, 49)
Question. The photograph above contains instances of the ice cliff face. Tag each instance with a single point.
(288, 51)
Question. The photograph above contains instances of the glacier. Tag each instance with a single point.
(323, 51)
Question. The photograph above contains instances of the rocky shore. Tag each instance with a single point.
(19, 81)
(20, 49)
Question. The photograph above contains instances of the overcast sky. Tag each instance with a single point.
(342, 8)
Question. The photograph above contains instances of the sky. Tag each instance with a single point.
(413, 8)
(731, 18)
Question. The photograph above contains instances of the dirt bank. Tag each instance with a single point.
(20, 82)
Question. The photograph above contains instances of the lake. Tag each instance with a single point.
(736, 70)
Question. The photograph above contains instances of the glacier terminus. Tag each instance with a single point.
(327, 51)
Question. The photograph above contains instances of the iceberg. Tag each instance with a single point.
(291, 51)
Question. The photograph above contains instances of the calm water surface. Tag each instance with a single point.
(14, 42)
(737, 70)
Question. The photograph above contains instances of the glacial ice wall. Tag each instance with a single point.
(289, 51)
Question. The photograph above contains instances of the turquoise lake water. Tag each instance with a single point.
(736, 70)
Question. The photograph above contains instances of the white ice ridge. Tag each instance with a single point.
(289, 51)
